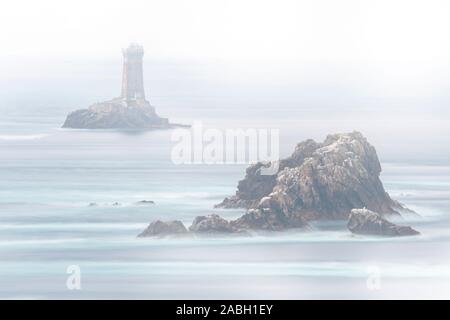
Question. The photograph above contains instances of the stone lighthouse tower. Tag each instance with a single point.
(132, 77)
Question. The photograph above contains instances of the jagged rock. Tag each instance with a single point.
(211, 224)
(363, 221)
(268, 216)
(256, 186)
(145, 202)
(161, 228)
(318, 181)
(251, 189)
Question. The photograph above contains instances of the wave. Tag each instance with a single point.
(8, 137)
(73, 226)
(320, 269)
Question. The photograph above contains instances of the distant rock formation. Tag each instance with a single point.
(363, 221)
(159, 228)
(115, 114)
(318, 181)
(130, 111)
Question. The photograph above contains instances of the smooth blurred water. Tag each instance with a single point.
(49, 176)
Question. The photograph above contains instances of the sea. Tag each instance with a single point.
(54, 244)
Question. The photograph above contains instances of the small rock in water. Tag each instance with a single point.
(363, 221)
(116, 204)
(93, 204)
(164, 228)
(145, 202)
(211, 224)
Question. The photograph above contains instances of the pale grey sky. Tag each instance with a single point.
(382, 30)
(401, 45)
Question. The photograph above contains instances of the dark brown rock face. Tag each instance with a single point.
(363, 221)
(256, 186)
(318, 181)
(161, 228)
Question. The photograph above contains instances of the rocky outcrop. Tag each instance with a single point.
(214, 224)
(318, 181)
(116, 114)
(363, 221)
(211, 224)
(160, 228)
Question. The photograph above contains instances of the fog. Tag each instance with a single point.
(307, 67)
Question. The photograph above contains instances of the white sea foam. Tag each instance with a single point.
(8, 137)
(71, 226)
(204, 268)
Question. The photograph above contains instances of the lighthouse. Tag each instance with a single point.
(132, 76)
(129, 111)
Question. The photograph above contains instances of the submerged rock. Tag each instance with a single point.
(145, 202)
(363, 221)
(318, 181)
(161, 228)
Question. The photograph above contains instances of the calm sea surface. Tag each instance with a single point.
(49, 176)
